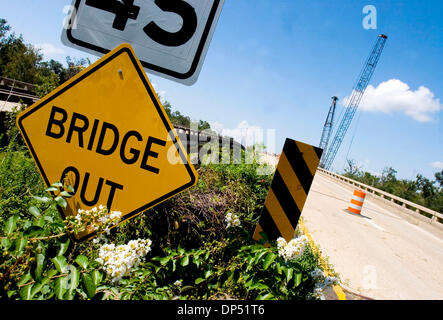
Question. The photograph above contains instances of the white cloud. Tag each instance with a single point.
(49, 49)
(436, 164)
(396, 96)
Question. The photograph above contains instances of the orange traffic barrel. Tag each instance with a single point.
(357, 202)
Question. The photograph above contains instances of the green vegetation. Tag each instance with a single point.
(179, 119)
(192, 251)
(24, 62)
(422, 191)
(196, 245)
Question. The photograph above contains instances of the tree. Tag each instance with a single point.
(24, 62)
(18, 60)
(352, 170)
(425, 186)
(439, 178)
(4, 28)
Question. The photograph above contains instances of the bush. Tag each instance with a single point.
(196, 253)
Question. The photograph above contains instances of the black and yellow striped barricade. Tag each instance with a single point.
(289, 189)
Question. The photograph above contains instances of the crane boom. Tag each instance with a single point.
(354, 101)
(327, 128)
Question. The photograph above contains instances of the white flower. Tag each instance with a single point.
(322, 282)
(232, 220)
(294, 249)
(178, 283)
(119, 260)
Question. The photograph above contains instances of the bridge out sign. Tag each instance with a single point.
(106, 132)
(170, 37)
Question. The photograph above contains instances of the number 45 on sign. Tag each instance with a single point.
(170, 37)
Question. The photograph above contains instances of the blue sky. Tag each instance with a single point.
(275, 64)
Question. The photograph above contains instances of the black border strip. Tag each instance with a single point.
(148, 65)
(298, 164)
(285, 199)
(141, 73)
(268, 225)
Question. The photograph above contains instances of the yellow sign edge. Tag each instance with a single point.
(125, 47)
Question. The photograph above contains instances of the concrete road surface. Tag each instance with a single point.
(380, 254)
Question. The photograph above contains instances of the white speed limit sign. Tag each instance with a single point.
(170, 37)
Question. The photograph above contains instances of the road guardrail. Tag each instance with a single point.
(433, 216)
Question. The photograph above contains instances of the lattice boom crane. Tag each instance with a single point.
(327, 128)
(354, 101)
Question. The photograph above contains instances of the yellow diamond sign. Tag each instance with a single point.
(106, 132)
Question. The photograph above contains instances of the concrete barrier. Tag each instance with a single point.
(414, 210)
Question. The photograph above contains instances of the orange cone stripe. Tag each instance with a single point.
(354, 210)
(357, 203)
(359, 193)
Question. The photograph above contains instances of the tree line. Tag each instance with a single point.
(24, 62)
(422, 191)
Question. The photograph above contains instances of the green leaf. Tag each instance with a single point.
(269, 259)
(74, 279)
(39, 222)
(230, 277)
(42, 199)
(82, 261)
(61, 202)
(88, 285)
(186, 288)
(259, 286)
(20, 245)
(51, 189)
(185, 261)
(199, 280)
(46, 280)
(63, 247)
(34, 231)
(258, 257)
(267, 296)
(65, 194)
(279, 268)
(164, 261)
(25, 292)
(60, 287)
(24, 279)
(34, 211)
(51, 273)
(36, 289)
(208, 273)
(10, 225)
(297, 279)
(6, 243)
(60, 263)
(40, 258)
(97, 277)
(57, 184)
(288, 273)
